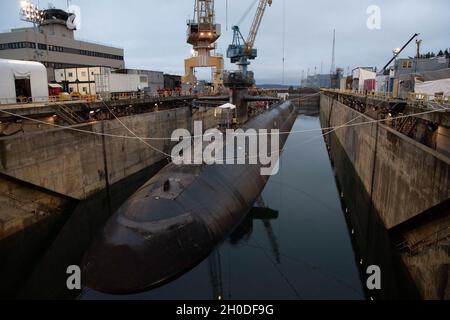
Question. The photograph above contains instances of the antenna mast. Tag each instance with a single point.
(333, 59)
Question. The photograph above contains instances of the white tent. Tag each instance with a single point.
(13, 70)
(228, 106)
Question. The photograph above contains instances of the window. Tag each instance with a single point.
(84, 89)
(70, 74)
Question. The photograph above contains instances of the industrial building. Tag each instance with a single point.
(172, 82)
(418, 65)
(53, 44)
(409, 73)
(317, 81)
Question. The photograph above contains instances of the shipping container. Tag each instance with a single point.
(369, 85)
(84, 88)
(382, 83)
(155, 79)
(92, 87)
(395, 88)
(343, 83)
(71, 75)
(93, 71)
(83, 74)
(73, 88)
(120, 83)
(60, 75)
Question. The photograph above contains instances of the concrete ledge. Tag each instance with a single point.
(403, 177)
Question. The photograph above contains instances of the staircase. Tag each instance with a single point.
(440, 239)
(68, 115)
(407, 125)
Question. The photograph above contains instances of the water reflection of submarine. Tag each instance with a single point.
(245, 229)
(163, 231)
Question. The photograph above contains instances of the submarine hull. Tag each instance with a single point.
(160, 233)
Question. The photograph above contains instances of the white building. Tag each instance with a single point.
(22, 81)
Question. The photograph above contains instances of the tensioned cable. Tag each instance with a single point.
(293, 132)
(134, 134)
(281, 133)
(289, 283)
(314, 268)
(249, 134)
(158, 139)
(246, 12)
(91, 132)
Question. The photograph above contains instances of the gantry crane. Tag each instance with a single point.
(241, 50)
(202, 34)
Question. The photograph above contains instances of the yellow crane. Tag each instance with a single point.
(202, 34)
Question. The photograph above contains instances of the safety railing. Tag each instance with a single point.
(417, 99)
(62, 99)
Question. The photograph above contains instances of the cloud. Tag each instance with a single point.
(153, 32)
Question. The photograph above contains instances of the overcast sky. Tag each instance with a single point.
(153, 32)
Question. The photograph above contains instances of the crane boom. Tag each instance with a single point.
(241, 51)
(256, 24)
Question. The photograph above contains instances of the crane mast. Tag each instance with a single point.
(202, 33)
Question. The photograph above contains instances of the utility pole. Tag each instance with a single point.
(418, 44)
(333, 55)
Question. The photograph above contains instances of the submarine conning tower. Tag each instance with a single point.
(177, 218)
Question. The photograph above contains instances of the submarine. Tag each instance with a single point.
(176, 220)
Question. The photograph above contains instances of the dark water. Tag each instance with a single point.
(297, 243)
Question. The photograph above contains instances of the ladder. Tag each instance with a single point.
(408, 125)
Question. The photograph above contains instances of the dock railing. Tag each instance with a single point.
(418, 100)
(6, 103)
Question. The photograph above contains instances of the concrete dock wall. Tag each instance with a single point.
(78, 165)
(403, 177)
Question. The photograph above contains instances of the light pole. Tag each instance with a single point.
(30, 12)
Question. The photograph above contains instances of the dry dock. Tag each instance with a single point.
(407, 182)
